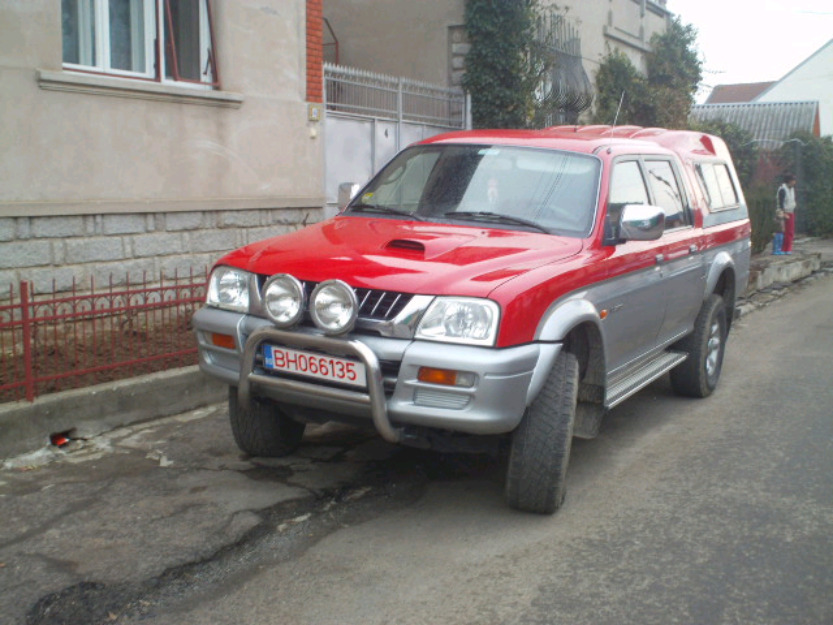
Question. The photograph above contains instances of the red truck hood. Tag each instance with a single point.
(412, 257)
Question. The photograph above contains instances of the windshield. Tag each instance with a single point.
(506, 187)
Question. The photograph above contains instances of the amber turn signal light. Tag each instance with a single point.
(446, 377)
(222, 340)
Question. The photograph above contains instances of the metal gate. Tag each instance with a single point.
(370, 117)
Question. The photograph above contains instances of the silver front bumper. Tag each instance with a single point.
(505, 380)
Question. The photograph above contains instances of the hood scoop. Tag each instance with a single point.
(406, 245)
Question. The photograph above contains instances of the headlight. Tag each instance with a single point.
(283, 299)
(229, 288)
(334, 307)
(460, 320)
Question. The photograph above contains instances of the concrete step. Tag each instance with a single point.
(764, 271)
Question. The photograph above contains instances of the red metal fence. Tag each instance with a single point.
(62, 340)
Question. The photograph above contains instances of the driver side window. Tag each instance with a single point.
(627, 186)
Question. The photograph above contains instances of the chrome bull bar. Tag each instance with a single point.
(373, 398)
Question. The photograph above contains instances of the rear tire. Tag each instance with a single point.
(540, 450)
(699, 374)
(263, 429)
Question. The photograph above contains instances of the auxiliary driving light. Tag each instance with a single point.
(283, 300)
(334, 307)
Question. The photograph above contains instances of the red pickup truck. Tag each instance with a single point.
(489, 289)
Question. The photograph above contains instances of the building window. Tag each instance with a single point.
(120, 37)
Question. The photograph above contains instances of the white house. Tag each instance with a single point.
(810, 81)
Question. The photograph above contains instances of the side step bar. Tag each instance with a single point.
(622, 388)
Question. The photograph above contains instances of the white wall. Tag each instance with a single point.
(810, 81)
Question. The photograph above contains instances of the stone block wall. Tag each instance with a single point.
(54, 251)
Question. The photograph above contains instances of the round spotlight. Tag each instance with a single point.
(283, 300)
(334, 307)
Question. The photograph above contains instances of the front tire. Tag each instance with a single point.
(263, 429)
(540, 450)
(706, 345)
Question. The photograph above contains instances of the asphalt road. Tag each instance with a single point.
(716, 511)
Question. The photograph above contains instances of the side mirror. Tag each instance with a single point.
(346, 192)
(640, 222)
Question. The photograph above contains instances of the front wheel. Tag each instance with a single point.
(705, 346)
(540, 450)
(263, 429)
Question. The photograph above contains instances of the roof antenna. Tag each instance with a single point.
(615, 120)
(618, 109)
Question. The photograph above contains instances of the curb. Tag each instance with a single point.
(772, 277)
(86, 412)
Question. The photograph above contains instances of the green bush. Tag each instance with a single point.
(503, 66)
(760, 198)
(622, 96)
(664, 96)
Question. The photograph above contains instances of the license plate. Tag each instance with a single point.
(320, 366)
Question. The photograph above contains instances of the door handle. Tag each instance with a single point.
(679, 254)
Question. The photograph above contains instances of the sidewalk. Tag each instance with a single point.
(771, 277)
(84, 413)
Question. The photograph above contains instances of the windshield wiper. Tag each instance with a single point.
(487, 216)
(378, 208)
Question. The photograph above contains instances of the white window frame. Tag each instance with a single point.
(154, 19)
(98, 12)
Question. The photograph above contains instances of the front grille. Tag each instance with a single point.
(373, 304)
(380, 305)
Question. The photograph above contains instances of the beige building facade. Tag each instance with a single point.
(623, 25)
(425, 40)
(407, 38)
(151, 136)
(118, 156)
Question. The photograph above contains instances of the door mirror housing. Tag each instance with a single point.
(641, 222)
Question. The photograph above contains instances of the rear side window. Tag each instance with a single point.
(717, 182)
